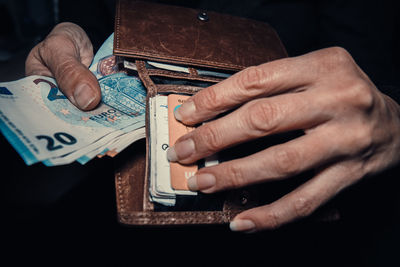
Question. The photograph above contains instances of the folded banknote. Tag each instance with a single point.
(43, 126)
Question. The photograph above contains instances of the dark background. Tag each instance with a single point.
(67, 214)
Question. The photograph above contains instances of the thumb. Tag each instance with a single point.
(65, 54)
(78, 83)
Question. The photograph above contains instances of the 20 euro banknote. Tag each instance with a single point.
(41, 123)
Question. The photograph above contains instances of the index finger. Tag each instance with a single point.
(275, 77)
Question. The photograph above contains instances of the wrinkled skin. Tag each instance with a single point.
(66, 54)
(352, 130)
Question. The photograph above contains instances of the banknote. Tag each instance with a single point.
(176, 68)
(161, 189)
(104, 62)
(42, 125)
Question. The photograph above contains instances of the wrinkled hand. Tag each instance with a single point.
(66, 54)
(351, 131)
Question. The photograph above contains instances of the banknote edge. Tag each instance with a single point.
(17, 144)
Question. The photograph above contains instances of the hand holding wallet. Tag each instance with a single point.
(176, 50)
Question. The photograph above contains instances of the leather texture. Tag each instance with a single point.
(175, 35)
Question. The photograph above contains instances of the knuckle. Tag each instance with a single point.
(47, 44)
(53, 42)
(55, 47)
(303, 206)
(45, 48)
(362, 139)
(334, 59)
(210, 138)
(235, 176)
(361, 95)
(339, 55)
(263, 116)
(251, 77)
(287, 162)
(356, 94)
(208, 100)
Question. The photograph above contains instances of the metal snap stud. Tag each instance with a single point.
(243, 200)
(203, 16)
(244, 197)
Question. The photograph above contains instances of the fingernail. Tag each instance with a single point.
(83, 96)
(187, 109)
(171, 154)
(242, 226)
(180, 150)
(201, 182)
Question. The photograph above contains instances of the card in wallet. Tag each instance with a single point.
(177, 50)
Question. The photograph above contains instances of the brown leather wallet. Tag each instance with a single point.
(201, 41)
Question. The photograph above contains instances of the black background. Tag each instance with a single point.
(67, 214)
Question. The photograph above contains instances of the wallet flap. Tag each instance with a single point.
(191, 37)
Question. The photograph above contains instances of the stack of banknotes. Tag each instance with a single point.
(43, 126)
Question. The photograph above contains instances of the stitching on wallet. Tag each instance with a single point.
(177, 218)
(117, 24)
(120, 197)
(170, 88)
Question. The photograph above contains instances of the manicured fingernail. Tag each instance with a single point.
(177, 114)
(180, 150)
(83, 96)
(187, 109)
(171, 154)
(242, 226)
(201, 182)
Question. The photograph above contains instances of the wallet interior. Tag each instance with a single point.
(198, 53)
(132, 178)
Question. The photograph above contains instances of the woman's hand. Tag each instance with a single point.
(351, 131)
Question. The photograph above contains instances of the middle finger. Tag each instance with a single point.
(255, 119)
